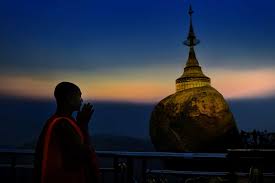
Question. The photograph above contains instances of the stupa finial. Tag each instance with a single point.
(191, 39)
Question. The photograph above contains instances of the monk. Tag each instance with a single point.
(63, 152)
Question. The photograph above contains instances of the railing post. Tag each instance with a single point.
(130, 170)
(13, 167)
(255, 175)
(116, 169)
(231, 159)
(143, 171)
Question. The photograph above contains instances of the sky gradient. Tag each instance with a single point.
(131, 50)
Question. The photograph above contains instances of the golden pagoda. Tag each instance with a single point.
(192, 75)
(196, 117)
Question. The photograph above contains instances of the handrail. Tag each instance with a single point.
(130, 154)
(158, 155)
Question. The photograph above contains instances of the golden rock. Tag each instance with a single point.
(195, 118)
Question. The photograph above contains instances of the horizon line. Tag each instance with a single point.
(51, 99)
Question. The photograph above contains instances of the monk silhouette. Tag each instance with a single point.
(63, 152)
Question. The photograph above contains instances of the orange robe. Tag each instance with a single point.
(64, 154)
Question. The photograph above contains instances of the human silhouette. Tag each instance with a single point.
(63, 152)
(255, 137)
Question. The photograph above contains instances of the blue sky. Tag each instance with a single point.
(106, 45)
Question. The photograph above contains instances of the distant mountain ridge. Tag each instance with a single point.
(107, 142)
(22, 119)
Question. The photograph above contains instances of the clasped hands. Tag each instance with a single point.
(84, 115)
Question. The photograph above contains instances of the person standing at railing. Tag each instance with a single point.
(63, 152)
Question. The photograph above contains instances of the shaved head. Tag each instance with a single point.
(65, 89)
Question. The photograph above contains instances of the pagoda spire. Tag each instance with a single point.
(191, 39)
(192, 76)
(191, 42)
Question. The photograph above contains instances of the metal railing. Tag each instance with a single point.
(128, 167)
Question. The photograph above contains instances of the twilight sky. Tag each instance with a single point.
(130, 50)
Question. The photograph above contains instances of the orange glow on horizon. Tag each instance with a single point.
(236, 84)
(141, 85)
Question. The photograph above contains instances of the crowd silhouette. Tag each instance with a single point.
(258, 139)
